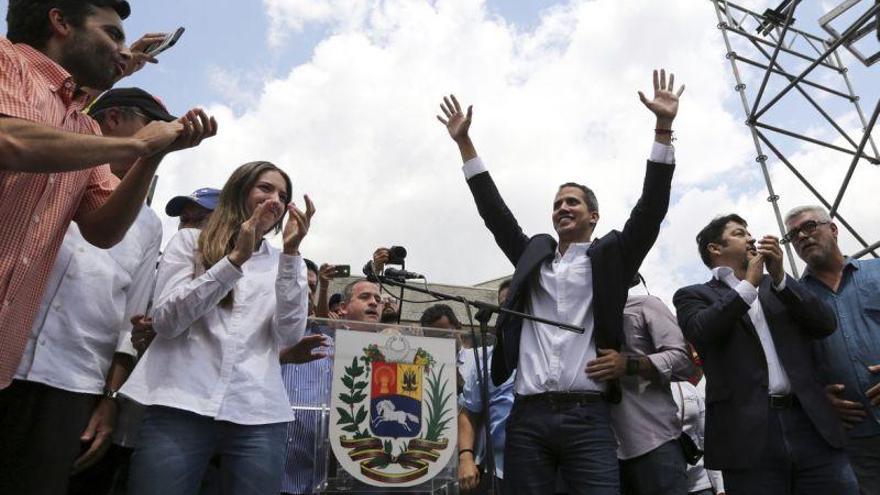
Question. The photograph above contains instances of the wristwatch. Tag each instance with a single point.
(632, 365)
(111, 395)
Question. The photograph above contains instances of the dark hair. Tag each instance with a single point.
(436, 312)
(711, 234)
(28, 20)
(589, 195)
(310, 265)
(505, 284)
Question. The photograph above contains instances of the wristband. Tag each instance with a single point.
(465, 451)
(663, 131)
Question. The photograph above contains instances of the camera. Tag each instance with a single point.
(396, 255)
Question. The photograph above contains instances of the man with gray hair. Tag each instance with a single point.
(849, 359)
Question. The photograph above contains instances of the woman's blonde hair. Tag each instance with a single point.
(220, 232)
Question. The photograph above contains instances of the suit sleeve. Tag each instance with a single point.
(816, 319)
(705, 323)
(643, 225)
(497, 217)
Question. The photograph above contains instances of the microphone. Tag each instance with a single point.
(369, 273)
(396, 274)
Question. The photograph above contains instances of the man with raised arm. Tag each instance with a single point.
(560, 420)
(53, 158)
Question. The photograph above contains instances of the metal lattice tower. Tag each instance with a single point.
(770, 37)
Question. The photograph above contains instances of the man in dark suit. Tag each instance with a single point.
(769, 426)
(559, 420)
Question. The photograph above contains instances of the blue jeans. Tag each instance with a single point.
(795, 461)
(662, 471)
(574, 438)
(174, 448)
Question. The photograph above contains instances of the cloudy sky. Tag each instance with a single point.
(342, 94)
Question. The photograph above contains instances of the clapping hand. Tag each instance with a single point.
(297, 226)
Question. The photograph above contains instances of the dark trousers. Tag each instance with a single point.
(575, 438)
(796, 460)
(662, 471)
(40, 428)
(864, 455)
(109, 476)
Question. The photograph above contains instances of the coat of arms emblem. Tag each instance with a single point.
(393, 407)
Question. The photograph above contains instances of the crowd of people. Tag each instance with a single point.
(121, 375)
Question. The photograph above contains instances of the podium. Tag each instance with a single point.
(383, 418)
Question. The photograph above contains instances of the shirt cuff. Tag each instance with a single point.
(225, 272)
(473, 167)
(662, 153)
(781, 286)
(289, 265)
(661, 364)
(746, 291)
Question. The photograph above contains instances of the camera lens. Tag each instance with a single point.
(397, 252)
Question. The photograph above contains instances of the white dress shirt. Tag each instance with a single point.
(552, 359)
(692, 407)
(216, 361)
(84, 315)
(777, 378)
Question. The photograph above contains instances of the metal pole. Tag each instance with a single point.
(773, 198)
(855, 160)
(859, 254)
(776, 50)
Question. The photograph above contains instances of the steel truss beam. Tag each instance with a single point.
(782, 35)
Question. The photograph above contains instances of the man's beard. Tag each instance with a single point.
(90, 64)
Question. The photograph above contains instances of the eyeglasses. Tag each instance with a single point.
(808, 228)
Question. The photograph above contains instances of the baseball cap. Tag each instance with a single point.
(205, 197)
(132, 97)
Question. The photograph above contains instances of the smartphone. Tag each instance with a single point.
(165, 44)
(342, 270)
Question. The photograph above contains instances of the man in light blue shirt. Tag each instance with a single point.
(849, 359)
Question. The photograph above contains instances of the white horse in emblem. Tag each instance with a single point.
(387, 412)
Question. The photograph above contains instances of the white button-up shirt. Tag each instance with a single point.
(552, 359)
(777, 378)
(216, 361)
(84, 315)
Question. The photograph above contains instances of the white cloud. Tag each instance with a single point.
(355, 127)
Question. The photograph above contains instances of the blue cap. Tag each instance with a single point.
(206, 197)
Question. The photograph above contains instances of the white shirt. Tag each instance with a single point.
(777, 378)
(691, 407)
(84, 315)
(215, 361)
(550, 358)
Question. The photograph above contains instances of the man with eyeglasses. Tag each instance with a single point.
(849, 359)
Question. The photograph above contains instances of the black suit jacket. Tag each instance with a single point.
(615, 259)
(715, 319)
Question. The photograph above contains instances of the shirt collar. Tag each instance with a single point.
(850, 263)
(723, 274)
(575, 248)
(60, 81)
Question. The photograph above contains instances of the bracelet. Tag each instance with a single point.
(465, 451)
(663, 131)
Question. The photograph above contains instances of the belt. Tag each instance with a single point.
(782, 401)
(555, 398)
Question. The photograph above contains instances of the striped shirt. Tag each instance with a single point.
(35, 209)
(308, 388)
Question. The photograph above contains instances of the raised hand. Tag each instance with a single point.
(665, 102)
(197, 126)
(297, 226)
(755, 270)
(456, 122)
(326, 273)
(380, 257)
(139, 56)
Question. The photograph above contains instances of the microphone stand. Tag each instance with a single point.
(485, 311)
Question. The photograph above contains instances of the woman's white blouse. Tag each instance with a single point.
(216, 361)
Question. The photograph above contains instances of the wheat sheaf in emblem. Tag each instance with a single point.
(398, 407)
